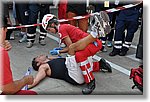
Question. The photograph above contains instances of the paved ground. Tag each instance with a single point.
(117, 82)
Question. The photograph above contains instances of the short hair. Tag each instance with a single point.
(34, 64)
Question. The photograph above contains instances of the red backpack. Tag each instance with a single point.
(137, 75)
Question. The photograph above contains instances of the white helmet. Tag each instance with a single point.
(47, 18)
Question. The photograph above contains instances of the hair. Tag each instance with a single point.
(34, 64)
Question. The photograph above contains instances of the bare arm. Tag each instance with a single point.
(39, 76)
(68, 42)
(64, 50)
(17, 85)
(52, 57)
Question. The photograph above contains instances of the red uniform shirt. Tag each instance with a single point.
(73, 32)
(5, 70)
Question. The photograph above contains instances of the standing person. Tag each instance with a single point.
(62, 9)
(22, 15)
(34, 9)
(7, 84)
(126, 19)
(72, 35)
(9, 23)
(78, 9)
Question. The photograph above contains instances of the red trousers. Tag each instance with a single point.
(24, 92)
(82, 60)
(62, 8)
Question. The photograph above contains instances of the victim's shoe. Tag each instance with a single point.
(105, 66)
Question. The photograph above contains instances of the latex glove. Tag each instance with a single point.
(58, 48)
(54, 52)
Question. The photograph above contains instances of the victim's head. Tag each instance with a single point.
(38, 61)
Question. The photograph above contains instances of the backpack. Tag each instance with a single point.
(137, 76)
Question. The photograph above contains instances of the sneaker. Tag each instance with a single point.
(101, 24)
(24, 39)
(12, 36)
(29, 44)
(104, 50)
(105, 66)
(90, 87)
(105, 22)
(109, 44)
(96, 26)
(42, 42)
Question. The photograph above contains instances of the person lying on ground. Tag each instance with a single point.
(63, 68)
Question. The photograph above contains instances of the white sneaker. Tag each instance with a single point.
(42, 42)
(103, 49)
(105, 22)
(96, 27)
(29, 44)
(24, 39)
(100, 24)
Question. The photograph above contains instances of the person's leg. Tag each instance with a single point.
(111, 34)
(84, 64)
(102, 65)
(132, 16)
(26, 92)
(132, 27)
(44, 9)
(81, 44)
(86, 68)
(31, 31)
(119, 31)
(24, 14)
(103, 44)
(62, 8)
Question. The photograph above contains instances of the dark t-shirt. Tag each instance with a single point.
(59, 70)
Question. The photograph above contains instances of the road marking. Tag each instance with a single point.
(133, 46)
(134, 58)
(50, 36)
(114, 66)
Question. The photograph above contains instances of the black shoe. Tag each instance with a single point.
(89, 89)
(114, 52)
(124, 51)
(105, 66)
